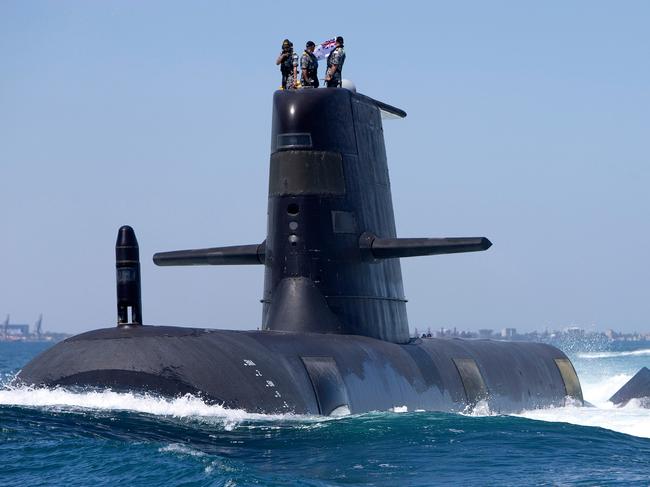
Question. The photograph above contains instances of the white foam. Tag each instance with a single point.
(181, 407)
(632, 353)
(181, 449)
(399, 409)
(632, 419)
(341, 411)
(598, 390)
(481, 408)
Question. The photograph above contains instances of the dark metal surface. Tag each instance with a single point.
(391, 248)
(306, 173)
(232, 255)
(266, 371)
(570, 378)
(366, 300)
(386, 109)
(329, 387)
(473, 383)
(638, 387)
(127, 266)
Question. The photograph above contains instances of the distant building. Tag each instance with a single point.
(509, 333)
(16, 329)
(574, 331)
(485, 333)
(14, 332)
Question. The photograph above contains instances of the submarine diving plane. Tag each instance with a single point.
(335, 336)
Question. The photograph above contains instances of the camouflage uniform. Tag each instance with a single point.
(286, 67)
(309, 63)
(336, 58)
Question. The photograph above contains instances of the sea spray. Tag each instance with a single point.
(601, 355)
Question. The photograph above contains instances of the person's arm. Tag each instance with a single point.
(281, 58)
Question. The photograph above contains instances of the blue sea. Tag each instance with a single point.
(56, 437)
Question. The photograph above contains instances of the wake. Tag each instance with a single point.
(631, 419)
(187, 406)
(599, 355)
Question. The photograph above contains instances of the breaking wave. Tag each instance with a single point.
(58, 436)
(632, 419)
(187, 406)
(599, 355)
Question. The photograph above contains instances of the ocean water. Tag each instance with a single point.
(56, 437)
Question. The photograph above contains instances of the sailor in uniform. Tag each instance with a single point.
(309, 66)
(288, 62)
(335, 62)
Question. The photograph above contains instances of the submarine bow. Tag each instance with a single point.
(335, 334)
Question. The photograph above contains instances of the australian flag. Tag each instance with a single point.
(322, 50)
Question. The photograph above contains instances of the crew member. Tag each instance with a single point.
(288, 62)
(335, 62)
(309, 66)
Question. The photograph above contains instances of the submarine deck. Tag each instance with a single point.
(313, 373)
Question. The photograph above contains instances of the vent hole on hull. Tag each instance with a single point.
(293, 209)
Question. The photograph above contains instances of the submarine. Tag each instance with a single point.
(334, 335)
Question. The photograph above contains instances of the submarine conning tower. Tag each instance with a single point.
(331, 253)
(328, 185)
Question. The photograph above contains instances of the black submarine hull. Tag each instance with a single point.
(310, 373)
(335, 334)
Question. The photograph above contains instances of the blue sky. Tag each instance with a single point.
(528, 123)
